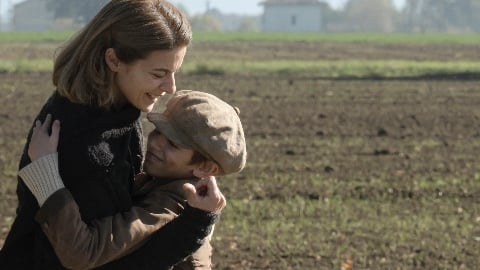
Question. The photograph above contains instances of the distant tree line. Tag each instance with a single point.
(81, 11)
(416, 16)
(441, 16)
(357, 16)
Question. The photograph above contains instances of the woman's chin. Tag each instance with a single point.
(148, 108)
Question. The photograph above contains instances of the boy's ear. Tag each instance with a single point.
(112, 60)
(205, 169)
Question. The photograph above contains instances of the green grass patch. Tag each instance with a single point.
(60, 36)
(333, 69)
(338, 37)
(336, 229)
(25, 65)
(330, 69)
(49, 36)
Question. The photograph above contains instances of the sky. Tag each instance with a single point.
(249, 7)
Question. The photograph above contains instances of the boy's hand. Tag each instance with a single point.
(42, 144)
(205, 195)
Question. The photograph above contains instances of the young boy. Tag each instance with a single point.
(196, 137)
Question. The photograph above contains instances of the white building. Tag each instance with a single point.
(32, 15)
(292, 15)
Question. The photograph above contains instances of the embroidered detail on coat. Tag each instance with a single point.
(115, 133)
(101, 154)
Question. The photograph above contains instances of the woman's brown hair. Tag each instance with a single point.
(133, 28)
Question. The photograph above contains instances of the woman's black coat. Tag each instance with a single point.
(99, 152)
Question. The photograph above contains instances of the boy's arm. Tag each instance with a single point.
(200, 260)
(83, 246)
(171, 244)
(153, 196)
(177, 239)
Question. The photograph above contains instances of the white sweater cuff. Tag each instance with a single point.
(42, 177)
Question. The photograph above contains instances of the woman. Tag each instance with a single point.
(116, 67)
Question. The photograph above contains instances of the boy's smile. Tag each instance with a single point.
(164, 159)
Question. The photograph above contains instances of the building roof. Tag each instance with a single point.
(288, 2)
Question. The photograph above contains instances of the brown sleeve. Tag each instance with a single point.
(84, 246)
(200, 260)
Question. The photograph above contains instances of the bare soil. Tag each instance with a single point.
(402, 141)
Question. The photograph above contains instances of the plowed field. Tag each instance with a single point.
(382, 174)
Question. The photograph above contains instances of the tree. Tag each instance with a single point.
(410, 16)
(205, 23)
(248, 24)
(82, 11)
(371, 15)
(473, 18)
(441, 15)
(332, 19)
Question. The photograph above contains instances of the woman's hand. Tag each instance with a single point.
(205, 195)
(42, 144)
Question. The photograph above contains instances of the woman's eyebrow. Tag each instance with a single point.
(161, 69)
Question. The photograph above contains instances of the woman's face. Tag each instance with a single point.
(142, 82)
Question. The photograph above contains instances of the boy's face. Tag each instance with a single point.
(164, 159)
